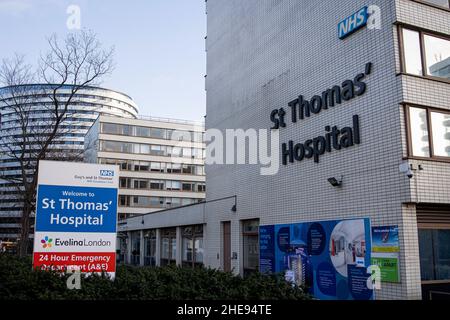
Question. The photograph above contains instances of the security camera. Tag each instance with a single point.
(407, 169)
(409, 173)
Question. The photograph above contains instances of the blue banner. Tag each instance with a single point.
(329, 257)
(76, 209)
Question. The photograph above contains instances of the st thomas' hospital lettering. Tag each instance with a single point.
(334, 137)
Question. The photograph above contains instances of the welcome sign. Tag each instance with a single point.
(76, 217)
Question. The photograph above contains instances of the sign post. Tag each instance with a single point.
(76, 217)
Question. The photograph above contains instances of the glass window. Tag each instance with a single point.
(127, 130)
(143, 166)
(187, 186)
(411, 48)
(192, 245)
(440, 123)
(150, 247)
(441, 3)
(155, 167)
(419, 132)
(176, 152)
(111, 128)
(154, 202)
(188, 169)
(250, 245)
(198, 137)
(145, 149)
(157, 185)
(174, 168)
(157, 150)
(142, 132)
(158, 133)
(422, 49)
(186, 201)
(173, 185)
(168, 246)
(434, 248)
(437, 56)
(135, 247)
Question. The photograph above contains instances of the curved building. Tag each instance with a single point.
(85, 106)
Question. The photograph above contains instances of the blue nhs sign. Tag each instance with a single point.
(106, 173)
(353, 23)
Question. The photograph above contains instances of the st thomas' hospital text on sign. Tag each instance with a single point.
(76, 217)
(334, 137)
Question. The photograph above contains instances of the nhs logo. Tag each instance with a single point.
(106, 173)
(353, 23)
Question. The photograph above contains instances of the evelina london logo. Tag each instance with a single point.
(46, 242)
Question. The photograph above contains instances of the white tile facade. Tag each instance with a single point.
(261, 54)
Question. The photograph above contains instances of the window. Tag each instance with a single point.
(140, 184)
(155, 167)
(143, 166)
(145, 149)
(157, 150)
(250, 245)
(168, 246)
(158, 133)
(188, 169)
(174, 168)
(419, 132)
(439, 3)
(428, 133)
(157, 185)
(440, 124)
(173, 185)
(150, 248)
(425, 54)
(142, 132)
(135, 247)
(411, 45)
(187, 186)
(201, 187)
(111, 128)
(434, 247)
(192, 246)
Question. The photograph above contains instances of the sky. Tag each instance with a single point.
(159, 46)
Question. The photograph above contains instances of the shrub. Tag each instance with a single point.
(19, 281)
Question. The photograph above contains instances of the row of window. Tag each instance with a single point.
(191, 246)
(156, 133)
(155, 202)
(159, 167)
(151, 184)
(75, 98)
(152, 149)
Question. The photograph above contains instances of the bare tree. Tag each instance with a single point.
(41, 116)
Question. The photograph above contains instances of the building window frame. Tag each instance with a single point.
(429, 110)
(246, 235)
(193, 234)
(424, 2)
(422, 33)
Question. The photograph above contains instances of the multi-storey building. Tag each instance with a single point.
(86, 105)
(283, 66)
(161, 161)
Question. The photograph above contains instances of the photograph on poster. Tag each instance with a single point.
(330, 258)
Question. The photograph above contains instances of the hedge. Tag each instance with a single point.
(19, 281)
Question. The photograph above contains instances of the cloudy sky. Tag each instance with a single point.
(159, 45)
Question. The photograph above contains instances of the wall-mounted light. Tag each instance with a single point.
(335, 182)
